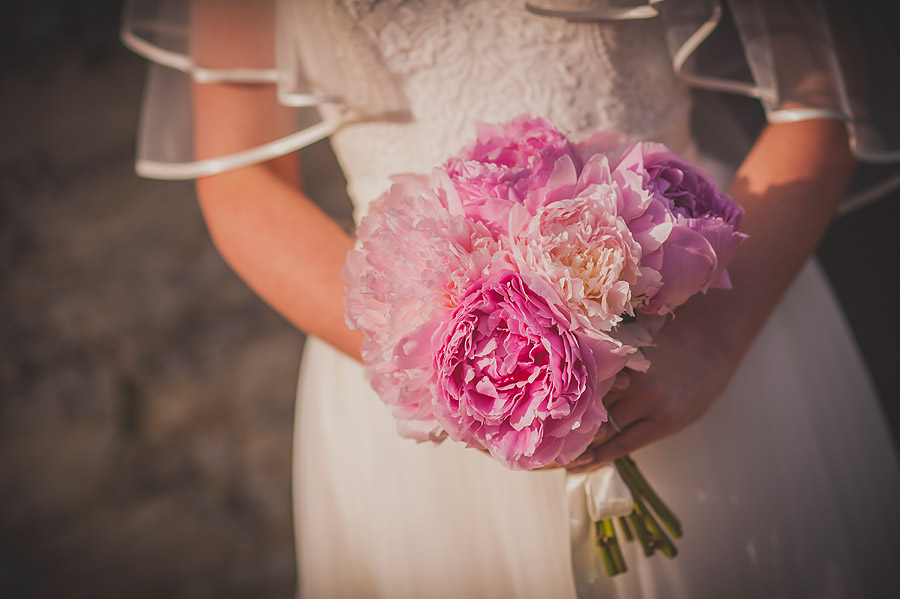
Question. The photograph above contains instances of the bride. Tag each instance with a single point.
(757, 422)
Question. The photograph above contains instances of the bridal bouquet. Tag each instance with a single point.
(502, 294)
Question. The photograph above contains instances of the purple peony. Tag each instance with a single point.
(517, 377)
(704, 237)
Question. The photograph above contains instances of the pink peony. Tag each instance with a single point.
(517, 377)
(523, 142)
(704, 237)
(483, 192)
(524, 161)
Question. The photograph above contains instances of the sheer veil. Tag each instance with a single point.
(801, 59)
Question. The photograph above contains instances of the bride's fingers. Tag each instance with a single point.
(627, 410)
(634, 437)
(623, 380)
(584, 465)
(607, 430)
(638, 434)
(603, 435)
(611, 397)
(581, 468)
(609, 444)
(623, 413)
(584, 459)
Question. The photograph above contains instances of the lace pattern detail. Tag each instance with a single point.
(460, 62)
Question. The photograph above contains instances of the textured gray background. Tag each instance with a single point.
(146, 395)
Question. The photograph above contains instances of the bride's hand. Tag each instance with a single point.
(689, 370)
(789, 185)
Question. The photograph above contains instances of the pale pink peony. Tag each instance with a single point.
(622, 194)
(704, 237)
(592, 248)
(517, 376)
(412, 265)
(587, 253)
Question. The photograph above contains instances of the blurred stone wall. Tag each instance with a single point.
(146, 395)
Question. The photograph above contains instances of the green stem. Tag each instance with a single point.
(629, 536)
(614, 548)
(662, 510)
(642, 534)
(658, 536)
(652, 536)
(605, 553)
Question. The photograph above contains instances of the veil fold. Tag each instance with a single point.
(802, 59)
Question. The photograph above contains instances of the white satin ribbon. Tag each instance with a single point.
(599, 13)
(593, 496)
(606, 494)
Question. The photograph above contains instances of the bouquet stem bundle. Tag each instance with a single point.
(647, 529)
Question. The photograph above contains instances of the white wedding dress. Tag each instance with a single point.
(788, 487)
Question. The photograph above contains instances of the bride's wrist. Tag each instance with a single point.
(713, 326)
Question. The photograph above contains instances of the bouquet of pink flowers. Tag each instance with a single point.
(502, 294)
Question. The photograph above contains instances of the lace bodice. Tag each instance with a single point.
(458, 62)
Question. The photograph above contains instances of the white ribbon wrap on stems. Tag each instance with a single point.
(606, 494)
(593, 496)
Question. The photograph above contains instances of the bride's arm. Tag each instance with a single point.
(283, 246)
(269, 232)
(789, 185)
